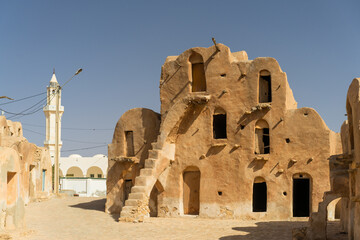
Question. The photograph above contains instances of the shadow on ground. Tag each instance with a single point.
(280, 231)
(266, 230)
(97, 205)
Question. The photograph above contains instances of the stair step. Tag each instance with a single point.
(146, 172)
(131, 202)
(137, 196)
(150, 163)
(127, 210)
(153, 153)
(154, 145)
(141, 181)
(138, 189)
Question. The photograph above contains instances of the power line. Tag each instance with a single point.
(21, 99)
(73, 150)
(23, 113)
(81, 129)
(65, 139)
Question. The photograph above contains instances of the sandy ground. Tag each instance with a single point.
(84, 219)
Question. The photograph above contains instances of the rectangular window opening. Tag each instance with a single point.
(129, 135)
(219, 126)
(265, 89)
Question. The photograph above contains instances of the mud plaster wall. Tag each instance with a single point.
(145, 125)
(232, 82)
(19, 154)
(12, 207)
(351, 141)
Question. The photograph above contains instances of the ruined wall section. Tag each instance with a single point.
(20, 183)
(142, 126)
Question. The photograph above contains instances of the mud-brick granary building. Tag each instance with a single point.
(229, 142)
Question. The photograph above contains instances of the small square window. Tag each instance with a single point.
(92, 175)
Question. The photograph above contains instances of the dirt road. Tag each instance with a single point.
(84, 219)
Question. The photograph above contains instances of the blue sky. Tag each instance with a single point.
(121, 46)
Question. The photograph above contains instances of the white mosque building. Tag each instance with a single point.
(86, 176)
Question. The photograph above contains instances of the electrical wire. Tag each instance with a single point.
(21, 99)
(65, 139)
(81, 129)
(79, 149)
(23, 113)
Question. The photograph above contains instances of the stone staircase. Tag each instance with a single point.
(136, 206)
(163, 152)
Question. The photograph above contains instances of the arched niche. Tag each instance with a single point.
(94, 172)
(74, 172)
(262, 137)
(197, 75)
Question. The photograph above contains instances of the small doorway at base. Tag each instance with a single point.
(127, 189)
(259, 195)
(301, 196)
(191, 192)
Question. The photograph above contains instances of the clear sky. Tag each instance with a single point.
(121, 46)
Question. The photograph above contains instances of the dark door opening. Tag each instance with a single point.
(191, 192)
(259, 197)
(301, 197)
(127, 189)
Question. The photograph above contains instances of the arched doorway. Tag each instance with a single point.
(191, 191)
(259, 195)
(301, 195)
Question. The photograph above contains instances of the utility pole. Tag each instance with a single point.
(57, 130)
(57, 153)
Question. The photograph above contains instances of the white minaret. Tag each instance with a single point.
(50, 111)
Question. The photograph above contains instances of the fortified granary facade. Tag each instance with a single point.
(229, 143)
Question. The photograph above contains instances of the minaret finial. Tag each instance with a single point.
(54, 71)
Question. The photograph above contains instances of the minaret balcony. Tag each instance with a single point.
(49, 108)
(51, 142)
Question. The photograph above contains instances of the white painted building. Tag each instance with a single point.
(79, 167)
(85, 175)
